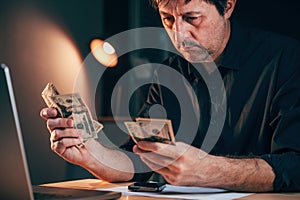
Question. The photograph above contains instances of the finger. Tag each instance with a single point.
(59, 134)
(157, 167)
(167, 172)
(149, 146)
(152, 157)
(43, 113)
(59, 123)
(159, 148)
(157, 159)
(47, 113)
(60, 146)
(137, 150)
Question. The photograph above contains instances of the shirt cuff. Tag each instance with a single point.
(286, 168)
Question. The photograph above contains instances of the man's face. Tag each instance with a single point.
(196, 29)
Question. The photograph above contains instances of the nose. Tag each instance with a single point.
(178, 38)
(179, 30)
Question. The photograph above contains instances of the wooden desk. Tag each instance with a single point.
(95, 183)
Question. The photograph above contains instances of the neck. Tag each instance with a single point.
(218, 58)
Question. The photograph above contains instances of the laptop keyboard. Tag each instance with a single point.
(45, 193)
(45, 196)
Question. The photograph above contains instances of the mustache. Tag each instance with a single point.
(188, 43)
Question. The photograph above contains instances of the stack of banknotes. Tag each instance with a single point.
(148, 129)
(72, 106)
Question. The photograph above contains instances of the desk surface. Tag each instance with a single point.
(95, 183)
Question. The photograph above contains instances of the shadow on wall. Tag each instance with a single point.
(38, 51)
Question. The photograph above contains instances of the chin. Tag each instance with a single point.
(202, 58)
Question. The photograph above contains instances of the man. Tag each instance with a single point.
(259, 147)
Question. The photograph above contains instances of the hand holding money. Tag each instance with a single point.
(72, 106)
(155, 130)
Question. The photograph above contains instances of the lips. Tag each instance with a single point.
(189, 48)
(193, 49)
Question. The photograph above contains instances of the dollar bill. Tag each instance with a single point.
(72, 106)
(134, 131)
(98, 126)
(155, 130)
(49, 91)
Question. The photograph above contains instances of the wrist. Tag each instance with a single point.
(243, 174)
(210, 171)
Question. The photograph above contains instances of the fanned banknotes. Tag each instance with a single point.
(72, 106)
(147, 129)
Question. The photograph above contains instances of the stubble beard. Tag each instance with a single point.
(200, 54)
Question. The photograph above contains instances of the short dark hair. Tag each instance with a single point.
(219, 4)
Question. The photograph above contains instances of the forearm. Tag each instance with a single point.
(108, 164)
(251, 174)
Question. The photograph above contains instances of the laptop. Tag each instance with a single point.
(14, 175)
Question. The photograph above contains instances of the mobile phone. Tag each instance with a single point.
(146, 187)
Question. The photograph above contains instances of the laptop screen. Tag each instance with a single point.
(15, 181)
(14, 175)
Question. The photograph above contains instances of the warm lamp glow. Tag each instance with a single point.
(108, 48)
(104, 53)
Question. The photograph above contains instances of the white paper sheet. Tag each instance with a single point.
(184, 193)
(191, 190)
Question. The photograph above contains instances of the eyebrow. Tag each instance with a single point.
(163, 13)
(187, 13)
(193, 12)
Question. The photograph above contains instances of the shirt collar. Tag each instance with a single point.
(231, 55)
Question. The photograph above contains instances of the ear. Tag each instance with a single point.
(229, 8)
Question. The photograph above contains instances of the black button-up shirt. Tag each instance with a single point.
(261, 75)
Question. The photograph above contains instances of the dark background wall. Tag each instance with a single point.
(274, 15)
(46, 40)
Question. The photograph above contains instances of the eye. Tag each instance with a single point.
(194, 20)
(190, 18)
(168, 20)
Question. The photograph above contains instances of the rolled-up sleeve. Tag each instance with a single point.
(286, 168)
(285, 121)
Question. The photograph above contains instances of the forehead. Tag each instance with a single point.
(181, 6)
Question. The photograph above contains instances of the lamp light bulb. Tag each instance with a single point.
(104, 52)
